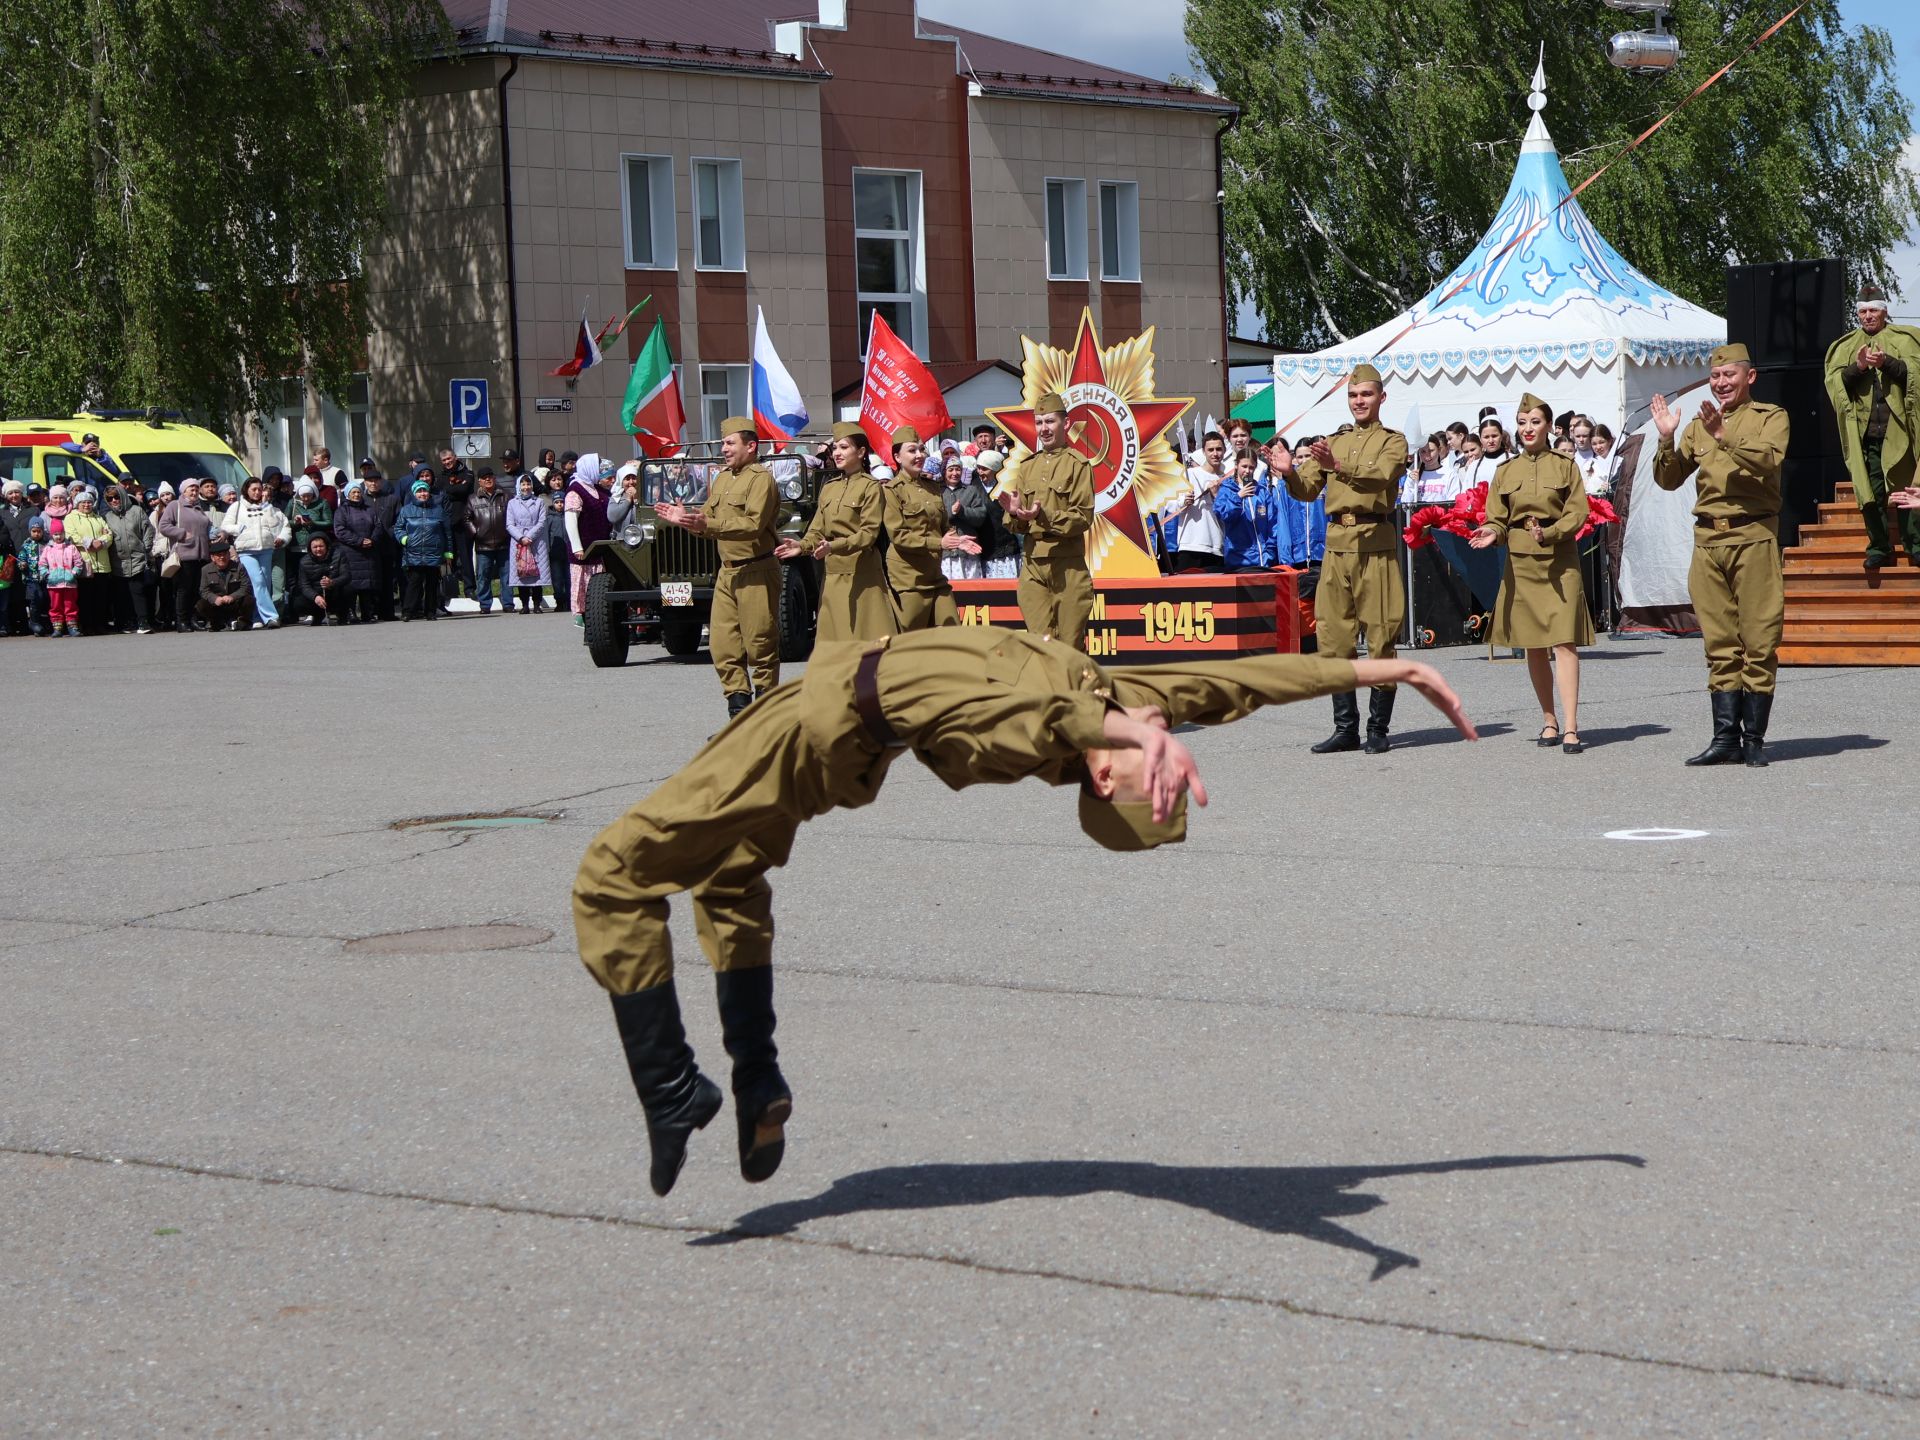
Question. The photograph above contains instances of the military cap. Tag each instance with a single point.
(1531, 401)
(1129, 824)
(740, 425)
(850, 430)
(1050, 404)
(1363, 374)
(906, 435)
(1730, 355)
(1872, 297)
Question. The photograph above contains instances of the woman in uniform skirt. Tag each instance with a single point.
(846, 526)
(1536, 504)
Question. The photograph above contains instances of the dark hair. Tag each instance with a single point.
(1601, 432)
(1212, 435)
(1438, 437)
(1486, 410)
(566, 455)
(547, 457)
(1458, 427)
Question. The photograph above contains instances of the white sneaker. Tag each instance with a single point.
(144, 630)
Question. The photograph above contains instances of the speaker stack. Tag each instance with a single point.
(1787, 314)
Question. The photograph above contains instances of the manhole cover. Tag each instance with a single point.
(449, 940)
(479, 820)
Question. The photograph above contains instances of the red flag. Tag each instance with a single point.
(898, 390)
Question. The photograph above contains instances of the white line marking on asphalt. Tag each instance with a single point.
(1655, 834)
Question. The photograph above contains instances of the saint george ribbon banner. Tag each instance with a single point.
(897, 390)
(1526, 235)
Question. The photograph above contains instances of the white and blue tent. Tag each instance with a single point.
(1562, 314)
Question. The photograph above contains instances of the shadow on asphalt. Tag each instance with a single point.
(1621, 734)
(1811, 747)
(1302, 1200)
(1445, 735)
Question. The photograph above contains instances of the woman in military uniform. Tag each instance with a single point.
(846, 527)
(1536, 504)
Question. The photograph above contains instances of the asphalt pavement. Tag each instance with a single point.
(1474, 1089)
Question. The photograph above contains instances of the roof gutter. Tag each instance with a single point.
(1227, 123)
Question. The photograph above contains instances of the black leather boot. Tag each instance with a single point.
(1379, 721)
(1755, 710)
(678, 1099)
(1724, 748)
(762, 1102)
(738, 700)
(1346, 726)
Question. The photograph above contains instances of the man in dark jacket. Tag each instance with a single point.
(15, 516)
(455, 493)
(384, 500)
(226, 595)
(321, 591)
(487, 528)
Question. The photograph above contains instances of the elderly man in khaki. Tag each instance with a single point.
(916, 537)
(976, 706)
(1360, 585)
(742, 517)
(1873, 383)
(1051, 504)
(1736, 444)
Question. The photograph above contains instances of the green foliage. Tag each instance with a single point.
(1377, 140)
(185, 192)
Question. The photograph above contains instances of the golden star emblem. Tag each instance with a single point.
(1118, 423)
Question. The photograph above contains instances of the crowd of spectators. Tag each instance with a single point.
(315, 549)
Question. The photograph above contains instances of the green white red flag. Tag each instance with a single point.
(652, 411)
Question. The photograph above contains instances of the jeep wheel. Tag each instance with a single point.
(681, 637)
(606, 627)
(796, 615)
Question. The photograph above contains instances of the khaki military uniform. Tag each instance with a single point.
(1542, 601)
(974, 705)
(854, 604)
(916, 520)
(743, 513)
(1878, 411)
(1360, 585)
(1735, 577)
(1056, 588)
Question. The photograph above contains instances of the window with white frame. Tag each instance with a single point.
(1066, 229)
(889, 259)
(719, 216)
(1119, 230)
(344, 429)
(723, 393)
(646, 185)
(283, 440)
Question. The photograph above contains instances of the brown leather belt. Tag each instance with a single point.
(1351, 518)
(866, 702)
(1728, 522)
(750, 560)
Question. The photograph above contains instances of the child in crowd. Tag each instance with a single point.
(62, 567)
(30, 549)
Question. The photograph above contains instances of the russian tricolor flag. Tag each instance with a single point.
(778, 410)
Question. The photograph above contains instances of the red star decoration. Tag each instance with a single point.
(1093, 433)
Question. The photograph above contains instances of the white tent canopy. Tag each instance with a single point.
(1561, 314)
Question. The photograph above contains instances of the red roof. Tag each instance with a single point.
(738, 35)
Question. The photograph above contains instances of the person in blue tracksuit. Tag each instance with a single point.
(1244, 505)
(1299, 530)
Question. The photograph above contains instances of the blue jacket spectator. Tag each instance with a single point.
(421, 529)
(1246, 521)
(1299, 531)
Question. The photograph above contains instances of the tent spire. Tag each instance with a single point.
(1537, 140)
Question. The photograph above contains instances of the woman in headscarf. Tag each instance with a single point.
(854, 604)
(229, 496)
(356, 533)
(969, 520)
(425, 544)
(527, 560)
(91, 535)
(587, 523)
(55, 511)
(308, 513)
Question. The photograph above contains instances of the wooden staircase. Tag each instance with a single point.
(1838, 611)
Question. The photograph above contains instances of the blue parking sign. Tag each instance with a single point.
(467, 403)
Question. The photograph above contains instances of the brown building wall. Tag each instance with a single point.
(1017, 146)
(896, 103)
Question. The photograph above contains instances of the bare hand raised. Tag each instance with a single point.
(1711, 418)
(1485, 536)
(1423, 678)
(1665, 419)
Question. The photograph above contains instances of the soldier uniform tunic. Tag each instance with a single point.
(1360, 585)
(1542, 601)
(916, 520)
(853, 601)
(974, 705)
(1878, 411)
(743, 513)
(1735, 576)
(1056, 589)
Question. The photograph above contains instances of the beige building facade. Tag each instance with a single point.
(713, 167)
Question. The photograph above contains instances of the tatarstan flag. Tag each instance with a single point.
(652, 411)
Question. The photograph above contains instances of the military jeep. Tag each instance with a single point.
(657, 584)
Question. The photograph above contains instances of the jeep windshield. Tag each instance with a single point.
(688, 482)
(150, 467)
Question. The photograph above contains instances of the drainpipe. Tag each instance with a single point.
(513, 286)
(1220, 220)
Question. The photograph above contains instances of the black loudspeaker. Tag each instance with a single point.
(1789, 312)
(1443, 610)
(1801, 390)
